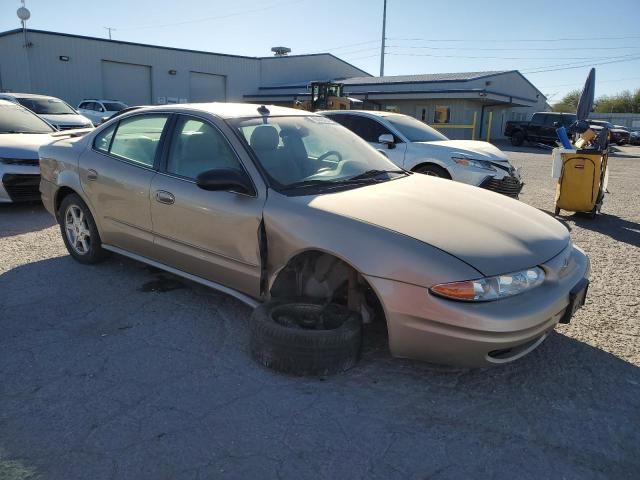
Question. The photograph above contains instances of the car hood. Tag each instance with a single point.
(492, 233)
(75, 120)
(22, 145)
(467, 148)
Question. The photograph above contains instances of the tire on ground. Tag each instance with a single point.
(96, 253)
(305, 351)
(517, 139)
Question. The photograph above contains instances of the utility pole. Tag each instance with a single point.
(109, 30)
(384, 32)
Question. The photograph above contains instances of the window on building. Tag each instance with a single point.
(442, 114)
(196, 147)
(137, 138)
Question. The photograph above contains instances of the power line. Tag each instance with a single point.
(518, 49)
(521, 40)
(581, 66)
(493, 57)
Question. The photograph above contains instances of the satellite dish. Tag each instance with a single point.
(23, 14)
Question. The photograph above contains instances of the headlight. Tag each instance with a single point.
(491, 288)
(469, 162)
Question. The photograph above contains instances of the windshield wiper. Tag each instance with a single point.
(373, 174)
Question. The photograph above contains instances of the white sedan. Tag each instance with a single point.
(22, 133)
(413, 145)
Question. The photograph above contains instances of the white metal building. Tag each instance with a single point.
(74, 67)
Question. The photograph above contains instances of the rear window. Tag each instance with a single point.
(46, 106)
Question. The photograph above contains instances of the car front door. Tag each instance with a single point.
(116, 173)
(210, 234)
(535, 127)
(370, 130)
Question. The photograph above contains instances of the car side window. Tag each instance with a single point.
(137, 138)
(102, 142)
(344, 120)
(98, 107)
(83, 105)
(197, 146)
(367, 128)
(538, 119)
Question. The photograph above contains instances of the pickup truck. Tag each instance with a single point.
(541, 128)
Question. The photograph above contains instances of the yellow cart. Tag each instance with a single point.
(581, 185)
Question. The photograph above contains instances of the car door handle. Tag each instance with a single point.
(165, 197)
(92, 174)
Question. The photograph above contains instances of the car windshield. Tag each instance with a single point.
(15, 119)
(114, 106)
(313, 152)
(46, 106)
(415, 130)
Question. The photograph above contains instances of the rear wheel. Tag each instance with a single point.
(79, 231)
(433, 171)
(517, 139)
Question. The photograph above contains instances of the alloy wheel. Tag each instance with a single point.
(77, 229)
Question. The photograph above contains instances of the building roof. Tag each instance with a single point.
(424, 78)
(122, 42)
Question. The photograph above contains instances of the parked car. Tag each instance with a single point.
(21, 134)
(634, 137)
(98, 110)
(541, 128)
(413, 145)
(55, 111)
(266, 203)
(618, 134)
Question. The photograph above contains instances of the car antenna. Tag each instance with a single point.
(263, 111)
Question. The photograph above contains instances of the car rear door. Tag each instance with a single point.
(210, 234)
(116, 173)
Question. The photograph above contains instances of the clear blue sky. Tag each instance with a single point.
(423, 36)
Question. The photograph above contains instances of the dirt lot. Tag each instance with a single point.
(103, 376)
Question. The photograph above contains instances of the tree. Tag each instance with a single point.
(569, 102)
(624, 102)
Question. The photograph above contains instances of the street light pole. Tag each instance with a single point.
(384, 31)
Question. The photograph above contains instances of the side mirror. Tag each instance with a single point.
(556, 124)
(387, 139)
(225, 179)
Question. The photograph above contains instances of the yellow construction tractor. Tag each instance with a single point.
(324, 96)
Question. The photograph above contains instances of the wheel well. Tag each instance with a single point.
(431, 164)
(323, 277)
(60, 196)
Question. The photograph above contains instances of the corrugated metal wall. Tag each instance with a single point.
(82, 76)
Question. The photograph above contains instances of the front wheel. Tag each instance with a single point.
(517, 139)
(433, 171)
(79, 231)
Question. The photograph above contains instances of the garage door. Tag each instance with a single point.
(126, 82)
(206, 87)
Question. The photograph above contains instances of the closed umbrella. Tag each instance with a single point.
(585, 104)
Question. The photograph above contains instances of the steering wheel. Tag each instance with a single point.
(328, 154)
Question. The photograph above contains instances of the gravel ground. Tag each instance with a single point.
(119, 371)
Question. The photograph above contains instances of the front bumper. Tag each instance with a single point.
(505, 180)
(19, 183)
(422, 326)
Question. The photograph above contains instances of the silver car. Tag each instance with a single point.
(269, 202)
(55, 111)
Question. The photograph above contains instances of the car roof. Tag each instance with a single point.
(25, 95)
(229, 110)
(376, 113)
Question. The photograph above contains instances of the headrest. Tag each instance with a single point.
(264, 137)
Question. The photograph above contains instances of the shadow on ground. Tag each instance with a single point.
(103, 378)
(17, 219)
(612, 226)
